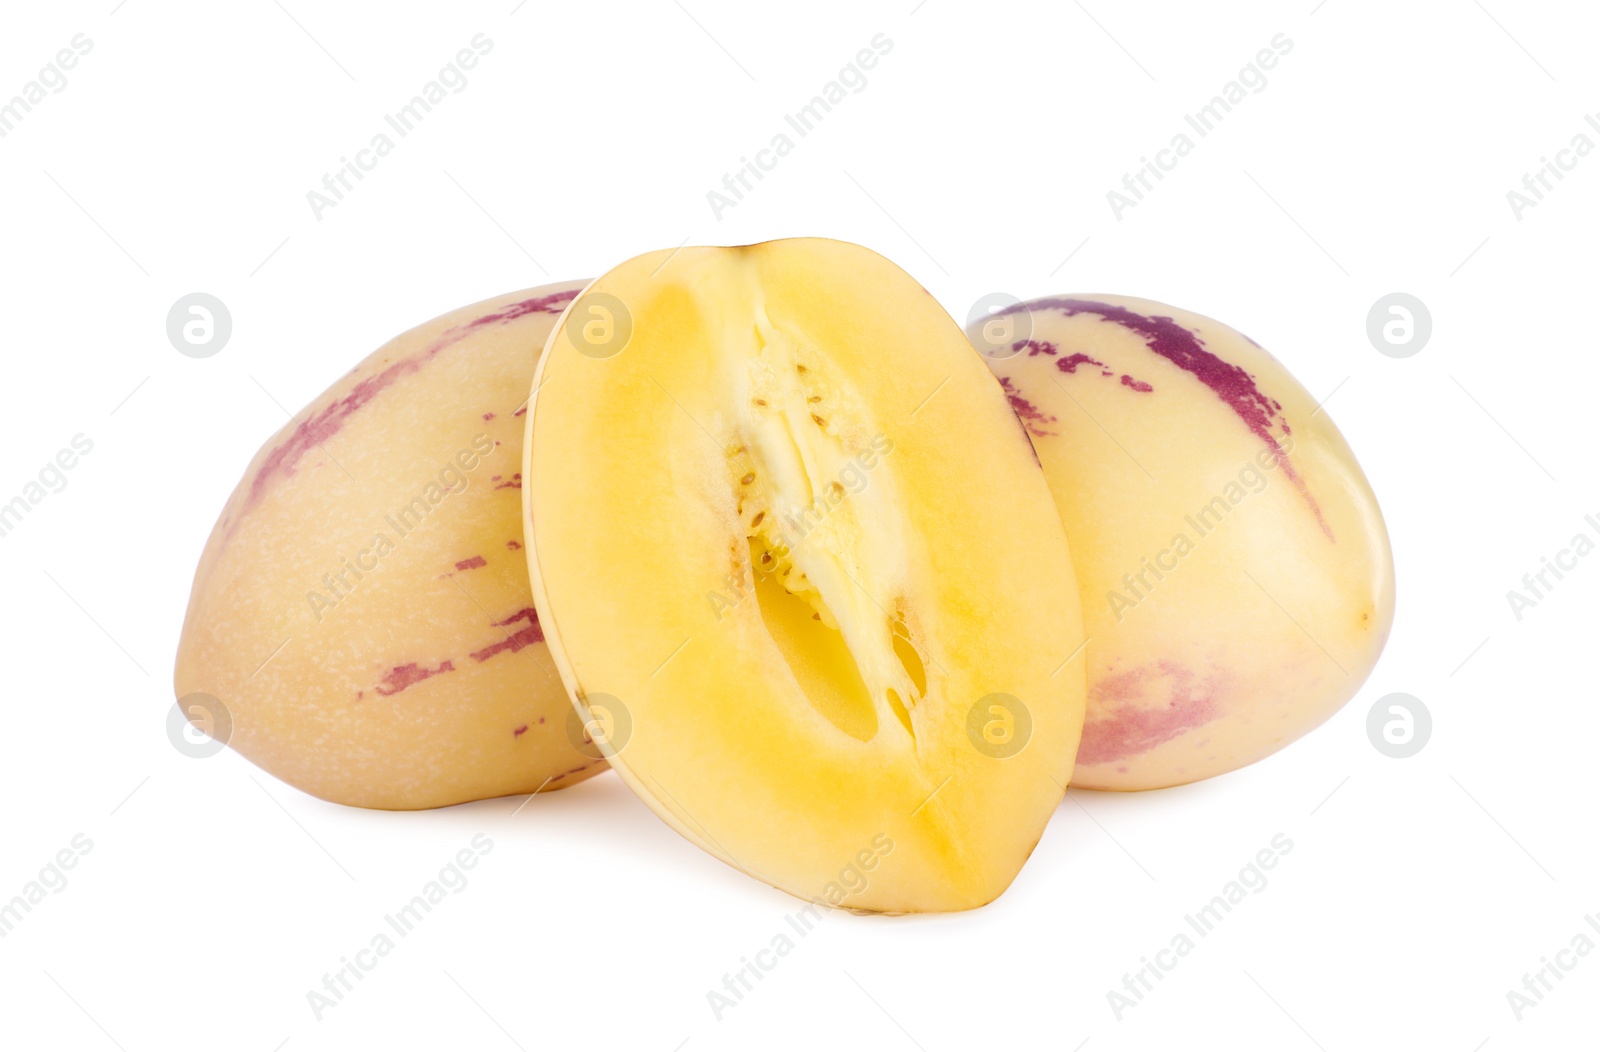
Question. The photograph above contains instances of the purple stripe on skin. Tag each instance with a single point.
(1128, 726)
(1231, 383)
(402, 676)
(325, 423)
(528, 635)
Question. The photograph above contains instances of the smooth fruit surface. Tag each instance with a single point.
(361, 613)
(1237, 580)
(802, 573)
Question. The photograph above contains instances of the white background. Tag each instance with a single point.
(1377, 159)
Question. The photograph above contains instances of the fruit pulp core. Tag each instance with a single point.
(825, 534)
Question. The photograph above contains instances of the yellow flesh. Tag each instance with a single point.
(311, 686)
(1278, 610)
(804, 409)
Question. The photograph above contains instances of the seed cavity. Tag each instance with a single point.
(898, 707)
(860, 672)
(910, 658)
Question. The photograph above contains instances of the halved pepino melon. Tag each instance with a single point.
(801, 571)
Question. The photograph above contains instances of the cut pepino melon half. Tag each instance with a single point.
(802, 574)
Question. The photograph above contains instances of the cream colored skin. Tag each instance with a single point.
(362, 608)
(783, 723)
(1215, 639)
